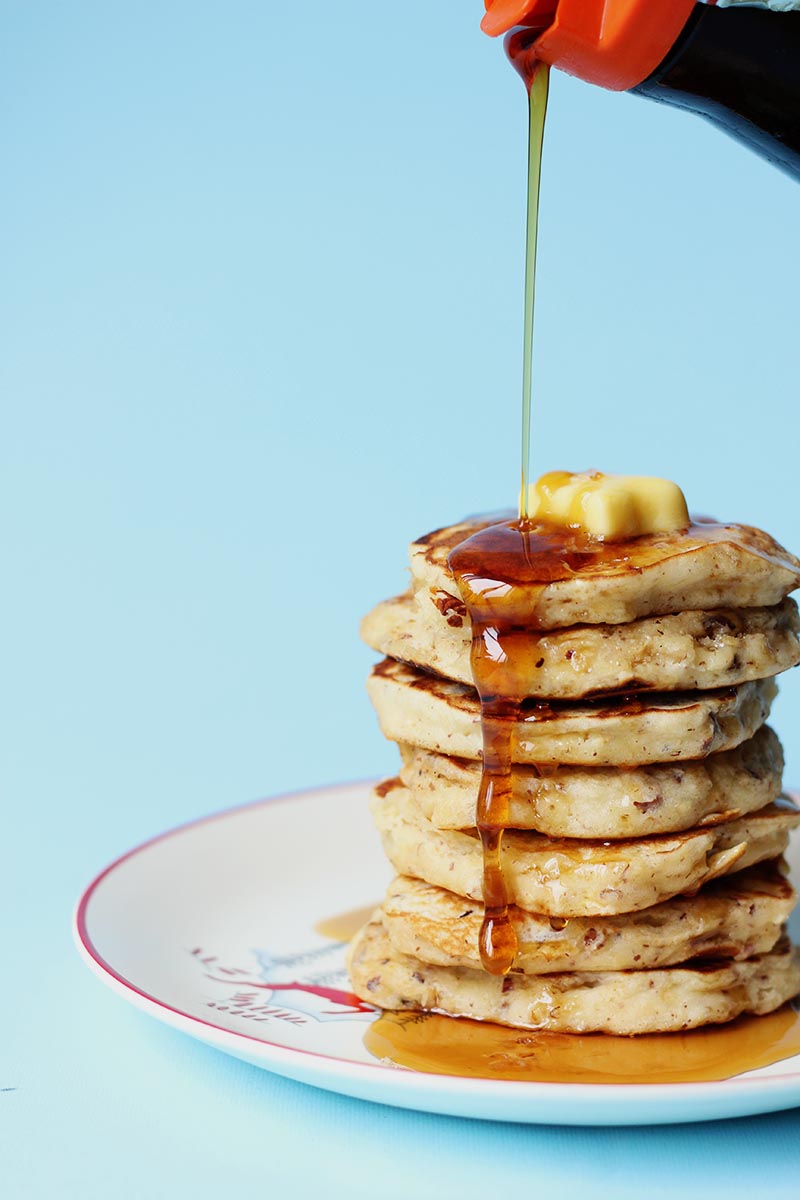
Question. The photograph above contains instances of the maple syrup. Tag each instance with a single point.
(456, 1046)
(497, 609)
(344, 926)
(501, 570)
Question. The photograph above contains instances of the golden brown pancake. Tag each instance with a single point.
(707, 566)
(702, 650)
(735, 917)
(428, 711)
(605, 802)
(572, 877)
(618, 1002)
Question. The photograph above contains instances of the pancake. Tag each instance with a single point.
(605, 802)
(617, 1002)
(440, 715)
(571, 877)
(702, 650)
(707, 566)
(735, 917)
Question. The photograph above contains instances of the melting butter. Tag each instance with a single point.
(608, 507)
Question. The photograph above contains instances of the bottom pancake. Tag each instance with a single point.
(735, 917)
(617, 1002)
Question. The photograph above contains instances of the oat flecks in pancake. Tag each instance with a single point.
(617, 1002)
(571, 877)
(708, 566)
(703, 650)
(439, 715)
(735, 917)
(605, 802)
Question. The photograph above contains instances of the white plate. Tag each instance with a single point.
(210, 928)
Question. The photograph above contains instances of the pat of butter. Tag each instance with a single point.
(608, 507)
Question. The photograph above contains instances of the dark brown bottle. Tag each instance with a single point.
(737, 64)
(740, 68)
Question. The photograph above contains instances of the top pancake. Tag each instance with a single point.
(707, 566)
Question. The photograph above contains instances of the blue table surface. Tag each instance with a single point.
(98, 1099)
(260, 306)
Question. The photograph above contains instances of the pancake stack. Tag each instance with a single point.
(642, 858)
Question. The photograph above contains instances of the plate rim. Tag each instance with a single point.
(332, 1066)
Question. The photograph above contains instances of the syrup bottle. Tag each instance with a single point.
(735, 62)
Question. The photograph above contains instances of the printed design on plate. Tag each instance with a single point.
(299, 988)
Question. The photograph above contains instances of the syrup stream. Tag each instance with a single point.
(538, 88)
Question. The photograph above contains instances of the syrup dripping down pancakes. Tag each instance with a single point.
(587, 826)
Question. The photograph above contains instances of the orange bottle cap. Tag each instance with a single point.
(613, 43)
(502, 15)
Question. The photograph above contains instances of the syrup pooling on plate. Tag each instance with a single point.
(343, 926)
(456, 1046)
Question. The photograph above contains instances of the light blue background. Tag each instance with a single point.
(260, 302)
